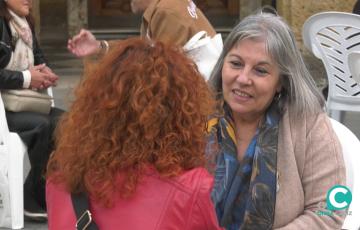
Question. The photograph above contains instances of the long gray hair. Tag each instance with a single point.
(299, 90)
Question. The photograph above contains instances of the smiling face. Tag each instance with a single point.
(250, 79)
(19, 7)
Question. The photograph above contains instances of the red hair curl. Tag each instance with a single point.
(143, 104)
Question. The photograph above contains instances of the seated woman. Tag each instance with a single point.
(134, 142)
(274, 149)
(22, 65)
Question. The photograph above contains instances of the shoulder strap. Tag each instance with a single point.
(83, 215)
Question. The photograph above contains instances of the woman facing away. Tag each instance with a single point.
(134, 141)
(22, 65)
(274, 152)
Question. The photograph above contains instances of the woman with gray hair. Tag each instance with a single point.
(272, 150)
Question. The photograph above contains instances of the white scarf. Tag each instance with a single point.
(22, 57)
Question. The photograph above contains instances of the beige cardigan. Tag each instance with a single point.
(309, 162)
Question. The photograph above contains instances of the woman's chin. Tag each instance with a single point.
(23, 12)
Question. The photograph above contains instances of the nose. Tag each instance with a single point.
(243, 76)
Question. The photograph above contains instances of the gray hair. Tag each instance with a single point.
(299, 90)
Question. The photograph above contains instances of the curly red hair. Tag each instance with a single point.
(143, 104)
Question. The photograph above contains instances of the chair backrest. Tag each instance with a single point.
(351, 151)
(332, 36)
(354, 65)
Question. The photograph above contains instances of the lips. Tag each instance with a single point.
(242, 94)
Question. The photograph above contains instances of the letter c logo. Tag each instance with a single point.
(338, 197)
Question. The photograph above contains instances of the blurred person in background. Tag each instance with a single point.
(22, 66)
(168, 21)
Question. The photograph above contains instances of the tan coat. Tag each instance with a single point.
(173, 21)
(309, 162)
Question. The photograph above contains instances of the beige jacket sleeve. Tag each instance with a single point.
(322, 168)
(167, 27)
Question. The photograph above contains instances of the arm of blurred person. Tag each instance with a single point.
(11, 79)
(38, 77)
(84, 44)
(322, 169)
(8, 79)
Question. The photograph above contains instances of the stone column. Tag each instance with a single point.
(35, 10)
(248, 7)
(77, 16)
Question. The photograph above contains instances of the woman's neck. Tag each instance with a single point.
(248, 122)
(245, 130)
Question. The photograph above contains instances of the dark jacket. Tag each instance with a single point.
(13, 79)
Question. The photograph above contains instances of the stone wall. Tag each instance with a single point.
(296, 12)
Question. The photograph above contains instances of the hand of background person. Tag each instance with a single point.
(51, 75)
(84, 44)
(42, 77)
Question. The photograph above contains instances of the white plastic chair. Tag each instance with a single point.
(15, 165)
(351, 151)
(354, 65)
(331, 37)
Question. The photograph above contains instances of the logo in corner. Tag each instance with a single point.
(338, 197)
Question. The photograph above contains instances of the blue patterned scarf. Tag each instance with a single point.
(244, 192)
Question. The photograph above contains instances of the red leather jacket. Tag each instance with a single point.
(178, 203)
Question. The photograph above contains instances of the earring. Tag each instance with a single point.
(278, 97)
